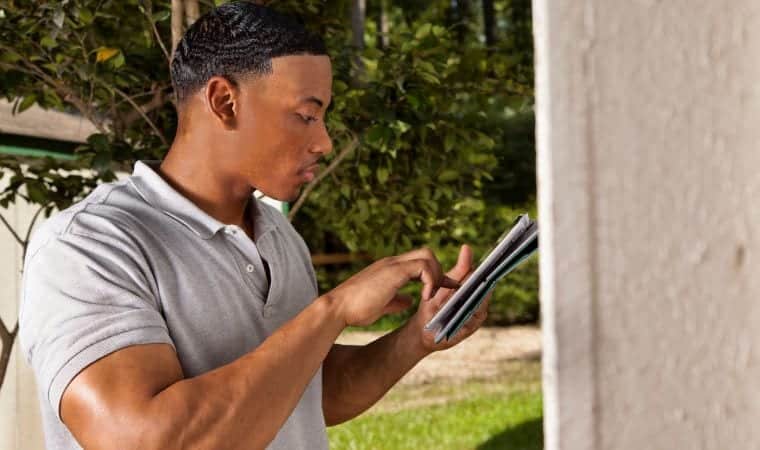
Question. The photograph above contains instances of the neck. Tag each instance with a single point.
(196, 175)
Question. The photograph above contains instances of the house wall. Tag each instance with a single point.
(20, 426)
(649, 181)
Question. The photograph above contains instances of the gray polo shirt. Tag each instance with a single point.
(137, 263)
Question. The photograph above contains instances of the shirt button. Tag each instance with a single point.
(229, 230)
(249, 268)
(267, 311)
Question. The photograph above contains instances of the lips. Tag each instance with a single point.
(310, 172)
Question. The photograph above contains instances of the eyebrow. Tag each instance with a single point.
(312, 99)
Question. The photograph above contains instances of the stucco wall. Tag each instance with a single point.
(649, 185)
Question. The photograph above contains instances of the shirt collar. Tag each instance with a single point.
(161, 195)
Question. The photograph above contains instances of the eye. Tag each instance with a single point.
(306, 118)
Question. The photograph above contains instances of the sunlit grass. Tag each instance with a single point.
(502, 414)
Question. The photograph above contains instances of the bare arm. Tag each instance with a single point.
(152, 406)
(137, 397)
(356, 377)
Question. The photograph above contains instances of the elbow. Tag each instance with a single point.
(333, 416)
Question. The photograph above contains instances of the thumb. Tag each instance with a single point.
(398, 303)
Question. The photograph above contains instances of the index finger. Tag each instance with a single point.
(428, 255)
(421, 269)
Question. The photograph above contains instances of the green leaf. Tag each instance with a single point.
(99, 142)
(339, 87)
(448, 175)
(432, 79)
(118, 61)
(382, 175)
(449, 141)
(102, 161)
(401, 126)
(423, 31)
(10, 56)
(47, 42)
(85, 16)
(161, 16)
(36, 191)
(26, 103)
(375, 135)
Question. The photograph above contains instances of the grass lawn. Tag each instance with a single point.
(502, 413)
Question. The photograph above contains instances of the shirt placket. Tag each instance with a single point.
(249, 261)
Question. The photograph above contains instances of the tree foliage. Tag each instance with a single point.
(432, 124)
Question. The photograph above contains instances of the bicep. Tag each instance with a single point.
(111, 397)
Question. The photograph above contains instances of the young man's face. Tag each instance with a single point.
(281, 130)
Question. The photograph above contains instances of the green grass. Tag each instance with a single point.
(503, 414)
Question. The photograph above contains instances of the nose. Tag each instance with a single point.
(323, 142)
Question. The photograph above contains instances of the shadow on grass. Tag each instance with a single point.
(528, 435)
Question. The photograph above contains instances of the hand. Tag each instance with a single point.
(428, 308)
(373, 292)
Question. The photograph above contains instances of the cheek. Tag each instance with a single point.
(274, 147)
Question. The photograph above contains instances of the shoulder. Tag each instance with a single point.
(108, 218)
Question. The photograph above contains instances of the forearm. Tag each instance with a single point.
(356, 377)
(245, 403)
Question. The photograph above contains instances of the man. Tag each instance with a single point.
(173, 310)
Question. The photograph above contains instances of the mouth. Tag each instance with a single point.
(310, 172)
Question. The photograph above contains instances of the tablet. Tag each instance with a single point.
(512, 248)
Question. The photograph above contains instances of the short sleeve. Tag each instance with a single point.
(84, 297)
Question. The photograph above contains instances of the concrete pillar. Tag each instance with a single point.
(20, 426)
(649, 192)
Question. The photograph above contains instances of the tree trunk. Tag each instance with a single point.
(458, 18)
(382, 25)
(192, 12)
(178, 17)
(489, 25)
(358, 10)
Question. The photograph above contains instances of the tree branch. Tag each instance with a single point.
(333, 164)
(148, 9)
(358, 10)
(6, 338)
(158, 100)
(140, 111)
(29, 233)
(13, 232)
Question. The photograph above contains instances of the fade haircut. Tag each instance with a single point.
(235, 40)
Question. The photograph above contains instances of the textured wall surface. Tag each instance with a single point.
(649, 190)
(20, 426)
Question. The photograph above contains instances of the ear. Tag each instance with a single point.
(221, 97)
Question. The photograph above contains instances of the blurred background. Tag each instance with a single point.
(433, 128)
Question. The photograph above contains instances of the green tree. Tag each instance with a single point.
(422, 112)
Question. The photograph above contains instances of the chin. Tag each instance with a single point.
(284, 196)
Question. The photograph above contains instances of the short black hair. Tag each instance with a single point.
(237, 39)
